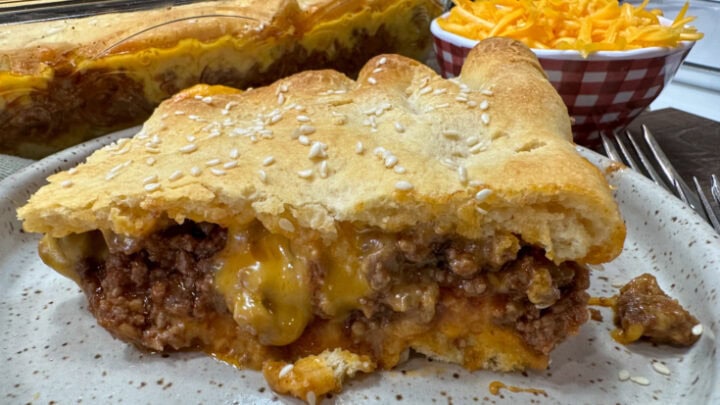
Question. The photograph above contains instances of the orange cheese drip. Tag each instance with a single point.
(496, 386)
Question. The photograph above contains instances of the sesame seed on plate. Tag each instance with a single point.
(189, 148)
(697, 330)
(212, 162)
(285, 370)
(305, 174)
(359, 148)
(195, 171)
(372, 80)
(399, 127)
(623, 375)
(66, 184)
(660, 368)
(483, 194)
(262, 175)
(286, 225)
(403, 185)
(302, 118)
(217, 172)
(230, 164)
(640, 380)
(176, 175)
(268, 161)
(151, 186)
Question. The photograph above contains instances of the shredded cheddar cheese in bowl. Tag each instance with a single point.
(583, 25)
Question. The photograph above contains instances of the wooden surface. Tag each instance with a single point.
(691, 143)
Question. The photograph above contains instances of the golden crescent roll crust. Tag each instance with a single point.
(488, 153)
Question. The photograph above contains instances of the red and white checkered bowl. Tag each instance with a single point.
(603, 92)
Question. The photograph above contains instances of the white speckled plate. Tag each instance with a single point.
(52, 350)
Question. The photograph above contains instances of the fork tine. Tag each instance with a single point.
(610, 149)
(715, 188)
(680, 192)
(626, 153)
(654, 175)
(709, 210)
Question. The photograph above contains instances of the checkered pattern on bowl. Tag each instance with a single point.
(601, 94)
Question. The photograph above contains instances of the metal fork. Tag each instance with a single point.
(669, 179)
(712, 212)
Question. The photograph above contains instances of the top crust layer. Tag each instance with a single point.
(489, 153)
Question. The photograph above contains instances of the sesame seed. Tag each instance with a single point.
(305, 174)
(660, 368)
(198, 97)
(195, 171)
(484, 105)
(230, 105)
(485, 118)
(341, 91)
(399, 127)
(379, 152)
(265, 133)
(281, 98)
(224, 112)
(617, 284)
(307, 129)
(317, 150)
(179, 112)
(150, 179)
(190, 138)
(72, 170)
(372, 80)
(403, 185)
(377, 70)
(283, 88)
(217, 172)
(152, 186)
(234, 153)
(425, 90)
(382, 61)
(480, 147)
(439, 91)
(268, 161)
(640, 380)
(424, 82)
(286, 225)
(302, 118)
(483, 194)
(193, 117)
(486, 92)
(207, 100)
(311, 398)
(176, 175)
(275, 118)
(151, 149)
(285, 370)
(262, 175)
(451, 134)
(304, 140)
(231, 164)
(391, 161)
(359, 148)
(323, 169)
(462, 174)
(298, 107)
(443, 105)
(189, 148)
(212, 162)
(472, 104)
(66, 184)
(399, 169)
(697, 330)
(472, 140)
(461, 98)
(464, 88)
(623, 375)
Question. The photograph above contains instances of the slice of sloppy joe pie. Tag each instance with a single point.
(321, 226)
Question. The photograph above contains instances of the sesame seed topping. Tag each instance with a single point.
(480, 147)
(379, 152)
(484, 105)
(198, 97)
(317, 150)
(207, 100)
(283, 88)
(640, 380)
(377, 70)
(217, 172)
(440, 91)
(399, 169)
(285, 370)
(623, 375)
(660, 368)
(462, 174)
(275, 118)
(323, 169)
(304, 140)
(485, 118)
(425, 90)
(298, 107)
(176, 175)
(190, 138)
(305, 174)
(372, 80)
(451, 134)
(72, 170)
(231, 164)
(193, 117)
(151, 149)
(359, 148)
(486, 92)
(483, 194)
(234, 153)
(179, 112)
(302, 118)
(151, 186)
(424, 81)
(262, 175)
(189, 148)
(150, 161)
(268, 161)
(442, 105)
(66, 184)
(212, 162)
(286, 225)
(697, 330)
(391, 161)
(403, 185)
(472, 140)
(150, 179)
(224, 112)
(464, 88)
(307, 129)
(281, 98)
(461, 98)
(195, 171)
(399, 127)
(382, 61)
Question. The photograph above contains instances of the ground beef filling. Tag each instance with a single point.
(150, 291)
